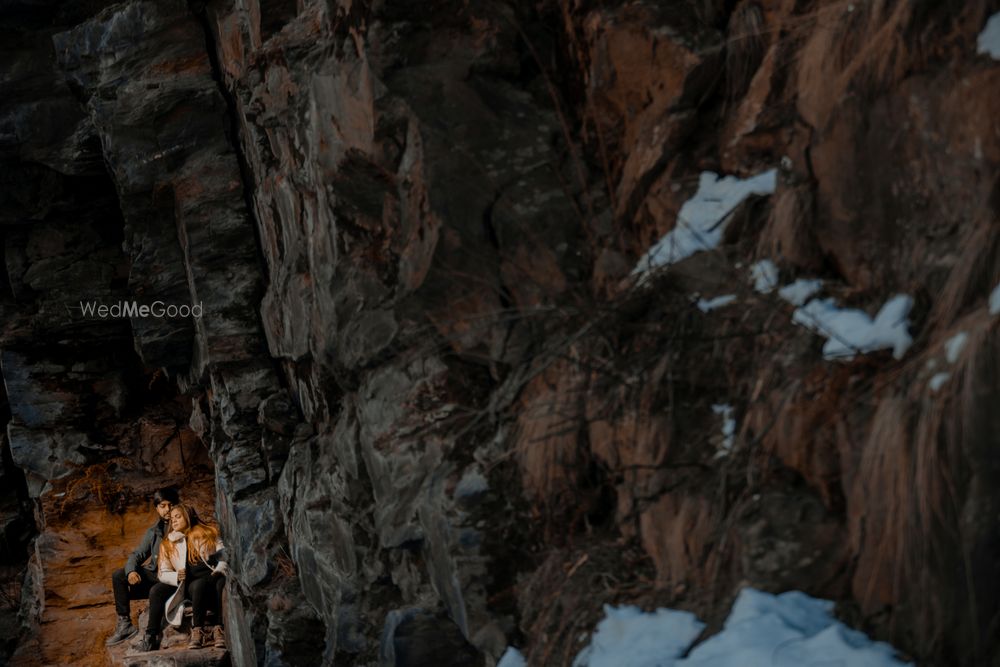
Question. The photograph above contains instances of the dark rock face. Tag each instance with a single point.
(17, 527)
(438, 415)
(17, 524)
(415, 637)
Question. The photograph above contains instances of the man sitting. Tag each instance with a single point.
(139, 574)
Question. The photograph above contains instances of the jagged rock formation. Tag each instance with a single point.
(437, 408)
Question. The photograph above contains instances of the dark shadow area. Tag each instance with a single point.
(17, 527)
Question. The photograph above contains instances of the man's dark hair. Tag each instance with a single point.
(167, 493)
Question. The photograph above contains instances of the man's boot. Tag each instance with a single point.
(151, 642)
(195, 640)
(123, 630)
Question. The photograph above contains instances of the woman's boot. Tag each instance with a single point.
(150, 642)
(195, 640)
(218, 637)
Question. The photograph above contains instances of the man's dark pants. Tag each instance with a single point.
(126, 592)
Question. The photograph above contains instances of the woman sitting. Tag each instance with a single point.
(191, 559)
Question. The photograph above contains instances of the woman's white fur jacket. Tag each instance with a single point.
(169, 567)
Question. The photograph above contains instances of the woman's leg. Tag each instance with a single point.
(220, 585)
(201, 590)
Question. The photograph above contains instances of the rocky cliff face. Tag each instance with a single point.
(439, 410)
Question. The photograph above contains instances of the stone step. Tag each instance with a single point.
(173, 652)
(175, 657)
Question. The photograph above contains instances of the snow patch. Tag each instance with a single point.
(472, 484)
(799, 292)
(938, 380)
(512, 658)
(952, 349)
(728, 427)
(763, 630)
(787, 630)
(707, 305)
(953, 346)
(995, 301)
(850, 331)
(701, 220)
(628, 636)
(989, 38)
(765, 276)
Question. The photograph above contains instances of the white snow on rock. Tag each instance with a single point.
(708, 305)
(849, 331)
(765, 276)
(953, 346)
(952, 349)
(995, 301)
(728, 427)
(787, 630)
(937, 381)
(472, 484)
(630, 637)
(799, 292)
(512, 658)
(763, 630)
(989, 38)
(701, 220)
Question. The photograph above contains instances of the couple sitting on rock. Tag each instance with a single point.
(179, 559)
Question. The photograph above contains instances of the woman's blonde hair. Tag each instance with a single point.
(199, 534)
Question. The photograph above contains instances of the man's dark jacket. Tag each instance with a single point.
(148, 548)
